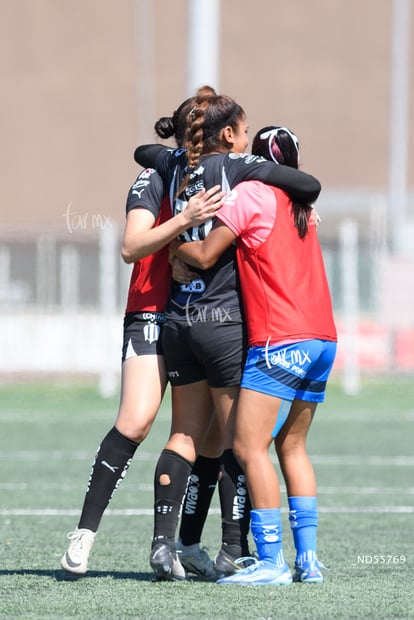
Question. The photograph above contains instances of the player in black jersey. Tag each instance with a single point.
(149, 227)
(203, 339)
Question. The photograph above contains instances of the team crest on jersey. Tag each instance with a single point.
(151, 332)
(197, 172)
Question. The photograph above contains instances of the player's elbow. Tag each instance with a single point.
(206, 262)
(126, 254)
(140, 155)
(146, 154)
(312, 188)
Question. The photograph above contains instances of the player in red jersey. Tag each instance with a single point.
(204, 333)
(292, 346)
(149, 227)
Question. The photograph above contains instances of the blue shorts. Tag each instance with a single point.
(298, 370)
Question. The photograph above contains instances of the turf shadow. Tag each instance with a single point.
(61, 575)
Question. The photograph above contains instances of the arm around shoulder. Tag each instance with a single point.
(300, 186)
(205, 254)
(146, 155)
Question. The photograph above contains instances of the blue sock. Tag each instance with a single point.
(303, 517)
(266, 529)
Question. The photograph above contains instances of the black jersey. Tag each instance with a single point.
(146, 193)
(151, 275)
(215, 295)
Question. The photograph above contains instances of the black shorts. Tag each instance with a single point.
(142, 334)
(204, 350)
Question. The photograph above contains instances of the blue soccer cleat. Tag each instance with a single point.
(308, 572)
(261, 573)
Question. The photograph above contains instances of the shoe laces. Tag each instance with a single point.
(200, 552)
(322, 566)
(78, 537)
(250, 568)
(249, 562)
(313, 564)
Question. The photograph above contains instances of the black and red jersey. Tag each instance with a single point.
(151, 276)
(217, 290)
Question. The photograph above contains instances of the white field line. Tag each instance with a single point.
(60, 455)
(351, 459)
(145, 512)
(61, 487)
(148, 488)
(317, 459)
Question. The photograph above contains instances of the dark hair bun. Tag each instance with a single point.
(164, 127)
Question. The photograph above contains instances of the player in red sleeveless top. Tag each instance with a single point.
(204, 333)
(149, 228)
(292, 346)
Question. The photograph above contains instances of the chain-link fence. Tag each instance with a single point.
(62, 303)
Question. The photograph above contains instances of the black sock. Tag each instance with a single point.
(235, 506)
(108, 470)
(169, 496)
(203, 480)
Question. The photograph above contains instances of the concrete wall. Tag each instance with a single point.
(84, 80)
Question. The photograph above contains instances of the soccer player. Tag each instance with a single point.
(149, 227)
(292, 346)
(204, 338)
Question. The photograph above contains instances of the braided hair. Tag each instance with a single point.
(209, 114)
(176, 125)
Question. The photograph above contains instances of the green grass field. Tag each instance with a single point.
(362, 448)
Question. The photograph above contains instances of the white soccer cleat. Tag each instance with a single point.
(75, 560)
(196, 560)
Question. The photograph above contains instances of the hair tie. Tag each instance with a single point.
(273, 133)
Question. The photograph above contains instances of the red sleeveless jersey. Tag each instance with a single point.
(285, 291)
(151, 276)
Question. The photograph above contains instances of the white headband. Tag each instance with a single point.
(272, 133)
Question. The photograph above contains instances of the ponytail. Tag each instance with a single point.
(280, 144)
